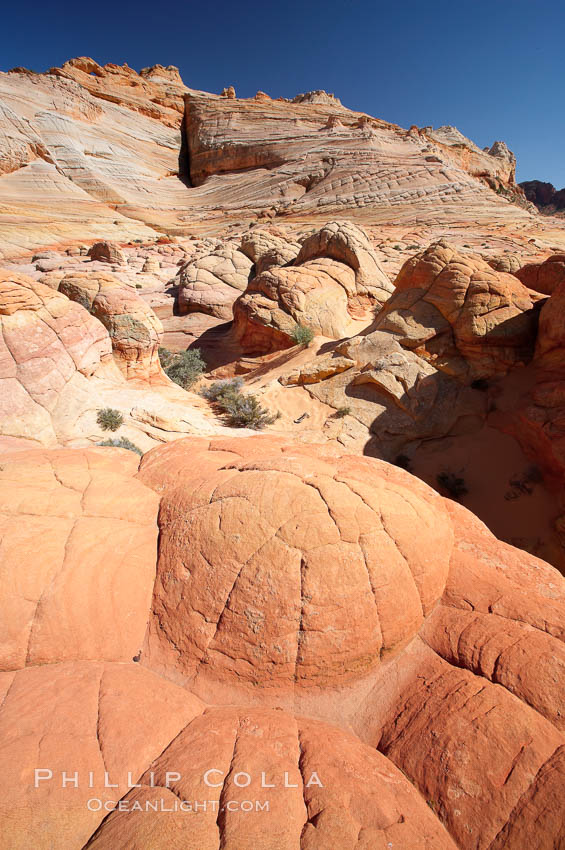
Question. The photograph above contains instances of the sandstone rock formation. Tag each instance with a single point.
(211, 283)
(543, 277)
(543, 195)
(266, 249)
(449, 732)
(134, 329)
(507, 263)
(48, 343)
(107, 252)
(57, 369)
(460, 314)
(107, 143)
(89, 528)
(538, 418)
(381, 807)
(334, 287)
(284, 603)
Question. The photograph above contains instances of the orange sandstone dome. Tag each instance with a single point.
(279, 564)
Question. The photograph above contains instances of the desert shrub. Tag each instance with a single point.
(302, 334)
(182, 367)
(342, 411)
(121, 443)
(220, 390)
(241, 411)
(245, 411)
(109, 419)
(453, 484)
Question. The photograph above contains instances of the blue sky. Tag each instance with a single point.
(493, 69)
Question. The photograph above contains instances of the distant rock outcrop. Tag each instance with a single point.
(544, 195)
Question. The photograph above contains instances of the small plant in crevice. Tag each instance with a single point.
(302, 334)
(341, 412)
(109, 419)
(182, 367)
(452, 484)
(121, 443)
(523, 485)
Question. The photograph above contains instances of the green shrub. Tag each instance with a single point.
(109, 419)
(242, 411)
(342, 411)
(453, 484)
(245, 411)
(220, 390)
(121, 443)
(302, 335)
(182, 367)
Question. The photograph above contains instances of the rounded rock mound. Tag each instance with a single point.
(281, 566)
(313, 787)
(460, 314)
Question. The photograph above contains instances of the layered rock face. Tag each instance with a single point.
(460, 314)
(334, 286)
(323, 157)
(275, 559)
(92, 152)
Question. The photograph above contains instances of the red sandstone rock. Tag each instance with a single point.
(342, 791)
(301, 569)
(461, 315)
(543, 277)
(78, 556)
(333, 287)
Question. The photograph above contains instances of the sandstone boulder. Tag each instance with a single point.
(107, 252)
(461, 315)
(507, 263)
(301, 570)
(340, 789)
(543, 277)
(46, 342)
(211, 283)
(334, 287)
(134, 329)
(267, 249)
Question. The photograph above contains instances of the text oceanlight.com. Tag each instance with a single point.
(212, 778)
